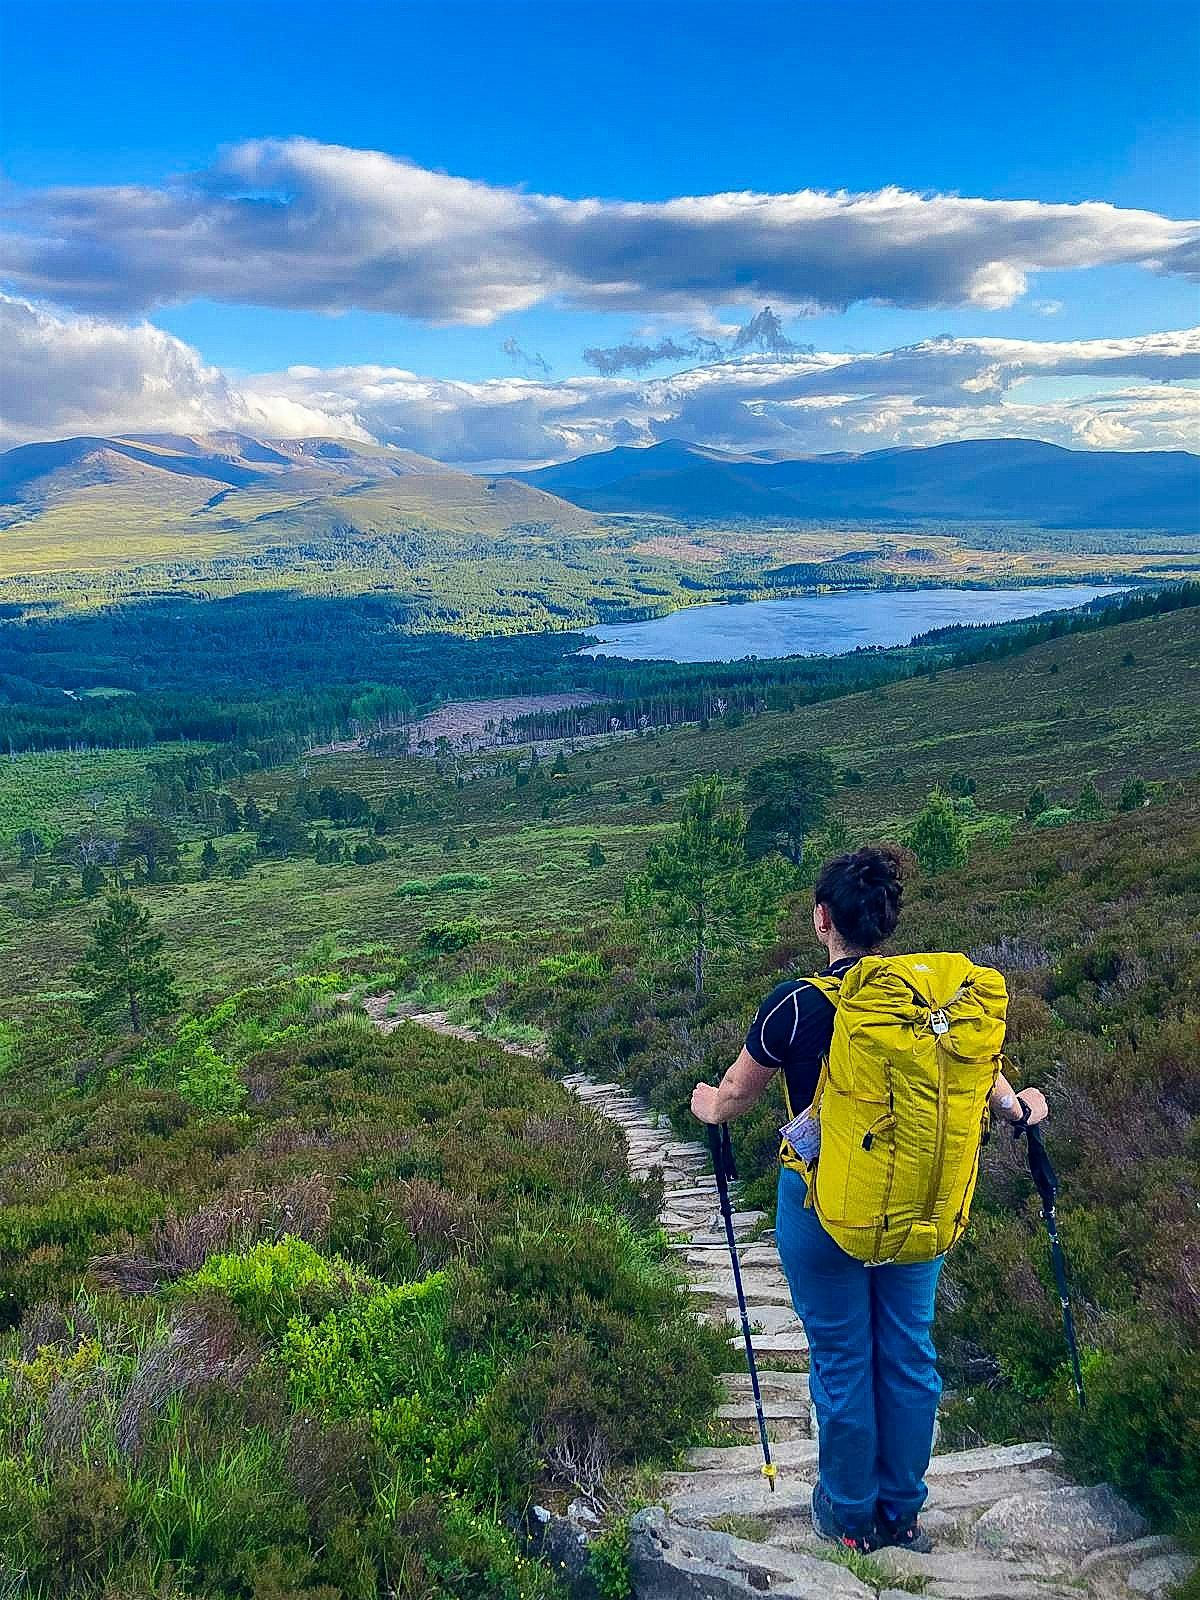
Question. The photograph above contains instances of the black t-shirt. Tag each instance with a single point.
(792, 1030)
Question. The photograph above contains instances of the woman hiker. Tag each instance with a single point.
(873, 1377)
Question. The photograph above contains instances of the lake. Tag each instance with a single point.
(825, 624)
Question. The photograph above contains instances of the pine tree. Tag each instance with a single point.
(122, 970)
(1134, 794)
(92, 878)
(938, 836)
(1090, 805)
(209, 859)
(148, 841)
(789, 795)
(700, 888)
(595, 856)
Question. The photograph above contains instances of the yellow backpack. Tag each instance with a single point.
(902, 1103)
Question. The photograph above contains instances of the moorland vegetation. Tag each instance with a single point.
(294, 1311)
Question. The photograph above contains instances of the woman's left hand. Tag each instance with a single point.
(1034, 1102)
(704, 1103)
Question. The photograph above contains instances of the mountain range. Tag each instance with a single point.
(212, 492)
(221, 481)
(978, 480)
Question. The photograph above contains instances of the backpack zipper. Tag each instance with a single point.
(940, 1025)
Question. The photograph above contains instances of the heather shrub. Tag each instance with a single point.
(312, 1371)
(1141, 1429)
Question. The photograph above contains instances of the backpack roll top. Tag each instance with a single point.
(902, 1103)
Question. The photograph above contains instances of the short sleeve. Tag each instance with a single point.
(773, 1030)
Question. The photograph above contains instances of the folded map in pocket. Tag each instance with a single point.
(803, 1133)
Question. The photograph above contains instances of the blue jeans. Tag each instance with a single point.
(873, 1376)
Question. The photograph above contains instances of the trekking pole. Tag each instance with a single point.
(721, 1147)
(1045, 1181)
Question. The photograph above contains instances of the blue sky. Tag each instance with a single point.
(1058, 103)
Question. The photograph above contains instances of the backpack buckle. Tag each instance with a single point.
(939, 1022)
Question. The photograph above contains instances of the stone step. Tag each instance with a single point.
(766, 1321)
(964, 1482)
(670, 1561)
(777, 1385)
(780, 1430)
(746, 1237)
(956, 1504)
(716, 1481)
(759, 1287)
(788, 1342)
(774, 1410)
(1067, 1521)
(1151, 1566)
(734, 1460)
(713, 1255)
(990, 1458)
(698, 1203)
(709, 1496)
(966, 1575)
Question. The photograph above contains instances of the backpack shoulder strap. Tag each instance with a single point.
(830, 985)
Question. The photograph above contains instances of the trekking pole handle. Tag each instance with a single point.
(1023, 1125)
(721, 1146)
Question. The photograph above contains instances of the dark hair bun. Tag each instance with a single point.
(862, 893)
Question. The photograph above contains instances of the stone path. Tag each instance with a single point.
(1008, 1524)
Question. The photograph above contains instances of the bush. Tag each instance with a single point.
(444, 883)
(1053, 817)
(1140, 1430)
(272, 1283)
(449, 936)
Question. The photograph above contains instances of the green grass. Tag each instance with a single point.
(868, 1570)
(755, 1529)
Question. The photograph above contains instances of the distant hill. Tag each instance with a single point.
(228, 479)
(975, 480)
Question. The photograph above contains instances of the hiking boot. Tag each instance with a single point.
(905, 1536)
(825, 1526)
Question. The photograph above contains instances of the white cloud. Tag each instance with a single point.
(76, 374)
(295, 223)
(922, 394)
(67, 374)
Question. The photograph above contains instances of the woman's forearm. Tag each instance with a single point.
(740, 1087)
(732, 1099)
(1003, 1100)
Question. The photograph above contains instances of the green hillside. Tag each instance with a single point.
(102, 505)
(1074, 710)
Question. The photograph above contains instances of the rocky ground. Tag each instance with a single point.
(1008, 1524)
